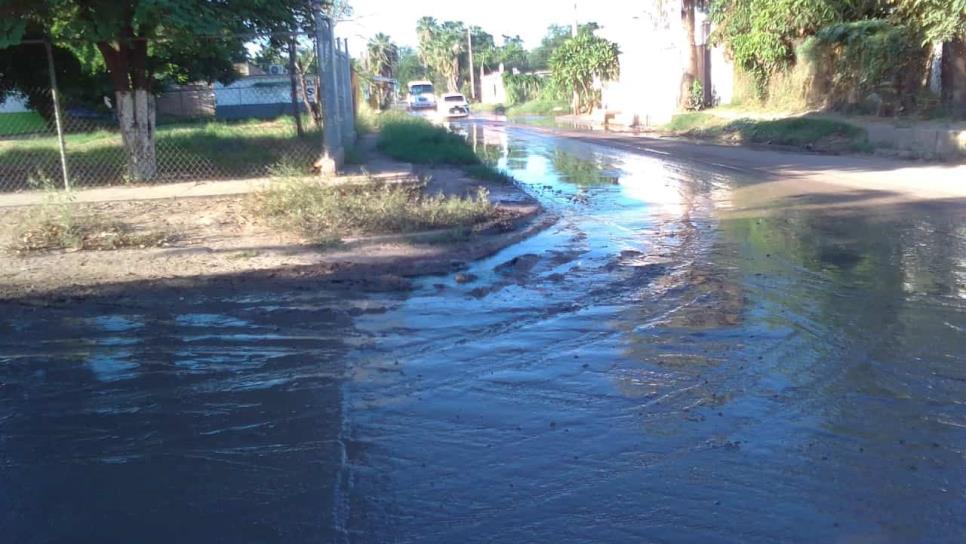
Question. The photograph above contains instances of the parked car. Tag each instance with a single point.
(453, 105)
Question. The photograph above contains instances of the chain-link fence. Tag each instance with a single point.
(268, 118)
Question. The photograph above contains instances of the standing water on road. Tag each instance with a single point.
(684, 356)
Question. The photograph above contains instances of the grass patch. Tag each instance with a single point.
(692, 121)
(367, 119)
(539, 107)
(325, 214)
(806, 132)
(486, 172)
(29, 122)
(59, 224)
(412, 139)
(196, 150)
(488, 108)
(797, 131)
(416, 140)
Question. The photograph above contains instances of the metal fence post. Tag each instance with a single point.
(348, 109)
(333, 153)
(55, 95)
(336, 69)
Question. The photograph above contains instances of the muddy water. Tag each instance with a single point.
(685, 355)
(682, 357)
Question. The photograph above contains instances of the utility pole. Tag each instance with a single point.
(574, 27)
(469, 42)
(332, 151)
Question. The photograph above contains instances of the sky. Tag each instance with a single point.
(527, 18)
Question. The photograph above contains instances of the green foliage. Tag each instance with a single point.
(798, 131)
(938, 20)
(326, 213)
(413, 139)
(868, 57)
(541, 106)
(23, 71)
(806, 132)
(522, 87)
(539, 58)
(409, 67)
(513, 55)
(761, 34)
(580, 60)
(382, 57)
(441, 46)
(694, 121)
(696, 97)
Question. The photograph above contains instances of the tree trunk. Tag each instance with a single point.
(954, 76)
(453, 81)
(293, 79)
(136, 118)
(303, 89)
(690, 50)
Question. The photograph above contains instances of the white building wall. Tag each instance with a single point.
(492, 90)
(652, 64)
(722, 76)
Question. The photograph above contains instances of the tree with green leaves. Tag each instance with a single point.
(382, 57)
(938, 20)
(580, 61)
(24, 72)
(762, 35)
(409, 67)
(513, 55)
(539, 57)
(441, 48)
(145, 43)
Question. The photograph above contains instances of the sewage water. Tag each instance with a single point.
(686, 355)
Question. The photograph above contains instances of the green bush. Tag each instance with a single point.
(413, 139)
(522, 88)
(539, 107)
(798, 131)
(871, 60)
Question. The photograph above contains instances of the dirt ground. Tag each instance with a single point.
(215, 237)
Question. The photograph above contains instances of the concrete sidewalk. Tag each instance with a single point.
(142, 192)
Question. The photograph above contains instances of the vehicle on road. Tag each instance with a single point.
(421, 95)
(453, 105)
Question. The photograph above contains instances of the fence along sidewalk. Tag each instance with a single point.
(245, 129)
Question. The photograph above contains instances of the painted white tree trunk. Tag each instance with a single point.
(936, 68)
(136, 117)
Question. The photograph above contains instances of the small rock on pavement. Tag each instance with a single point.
(518, 265)
(465, 278)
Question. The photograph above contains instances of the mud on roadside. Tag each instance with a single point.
(217, 240)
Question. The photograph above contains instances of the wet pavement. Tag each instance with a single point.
(683, 356)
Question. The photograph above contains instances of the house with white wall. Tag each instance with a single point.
(653, 61)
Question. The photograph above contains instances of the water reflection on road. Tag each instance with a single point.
(682, 357)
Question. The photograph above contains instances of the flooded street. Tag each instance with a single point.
(686, 355)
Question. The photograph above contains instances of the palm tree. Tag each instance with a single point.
(383, 56)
